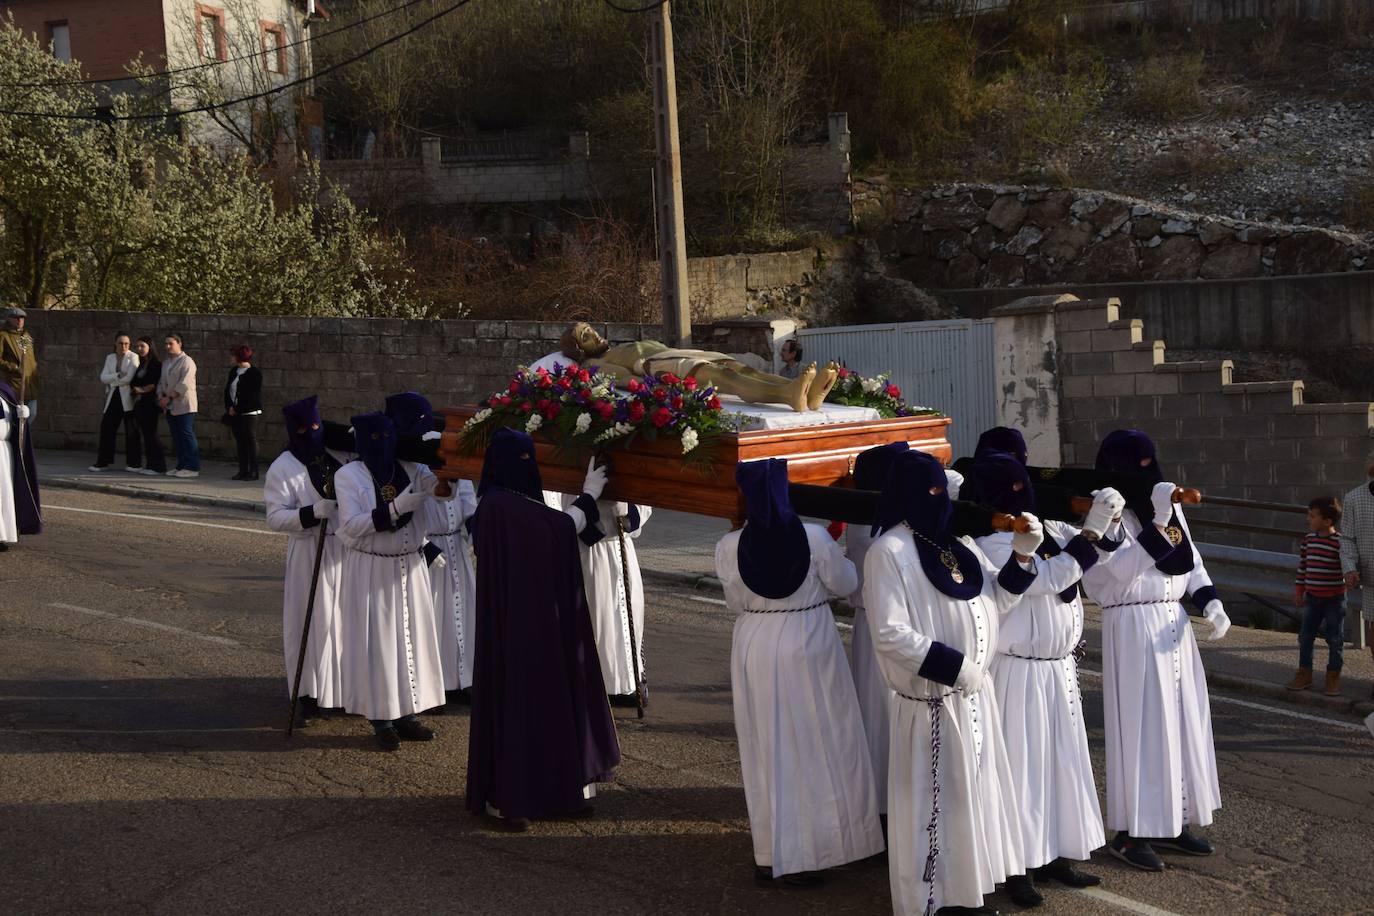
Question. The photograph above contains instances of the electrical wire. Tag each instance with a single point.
(634, 9)
(219, 63)
(160, 116)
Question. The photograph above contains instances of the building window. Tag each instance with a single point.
(211, 39)
(60, 40)
(273, 48)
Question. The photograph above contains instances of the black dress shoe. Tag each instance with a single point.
(463, 697)
(4, 546)
(1185, 843)
(1135, 853)
(966, 911)
(1023, 892)
(764, 875)
(414, 730)
(389, 740)
(239, 476)
(1062, 870)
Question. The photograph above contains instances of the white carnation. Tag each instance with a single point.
(534, 422)
(689, 440)
(584, 422)
(478, 417)
(615, 432)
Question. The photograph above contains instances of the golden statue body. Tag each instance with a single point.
(726, 374)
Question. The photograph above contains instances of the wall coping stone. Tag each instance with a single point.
(1197, 365)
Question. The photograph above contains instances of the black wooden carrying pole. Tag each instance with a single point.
(305, 630)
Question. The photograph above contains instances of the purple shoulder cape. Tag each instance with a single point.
(541, 727)
(24, 481)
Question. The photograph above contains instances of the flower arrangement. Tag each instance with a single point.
(853, 390)
(580, 411)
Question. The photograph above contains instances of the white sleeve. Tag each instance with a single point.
(1052, 576)
(727, 571)
(355, 515)
(836, 571)
(889, 623)
(467, 498)
(109, 370)
(282, 512)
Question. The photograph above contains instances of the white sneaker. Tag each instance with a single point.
(133, 470)
(96, 467)
(175, 472)
(186, 473)
(149, 472)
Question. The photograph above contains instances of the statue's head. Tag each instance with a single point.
(581, 341)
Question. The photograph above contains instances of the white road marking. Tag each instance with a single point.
(1125, 903)
(140, 622)
(173, 521)
(1216, 698)
(704, 600)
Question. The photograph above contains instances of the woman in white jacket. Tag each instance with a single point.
(117, 374)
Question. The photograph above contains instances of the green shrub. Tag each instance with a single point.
(1168, 87)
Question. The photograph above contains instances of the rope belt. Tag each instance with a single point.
(785, 610)
(1076, 653)
(1108, 607)
(390, 556)
(933, 828)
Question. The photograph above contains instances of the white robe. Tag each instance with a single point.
(604, 580)
(979, 834)
(807, 780)
(9, 525)
(1042, 708)
(285, 492)
(391, 640)
(875, 696)
(454, 586)
(1161, 764)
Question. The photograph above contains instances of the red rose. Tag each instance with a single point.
(660, 394)
(633, 386)
(661, 417)
(514, 387)
(714, 403)
(690, 383)
(564, 384)
(670, 379)
(605, 409)
(543, 404)
(493, 401)
(504, 400)
(552, 411)
(636, 411)
(545, 381)
(677, 402)
(583, 375)
(892, 391)
(542, 371)
(845, 373)
(526, 406)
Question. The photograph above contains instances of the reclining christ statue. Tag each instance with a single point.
(582, 344)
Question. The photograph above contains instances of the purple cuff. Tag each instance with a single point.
(633, 521)
(1203, 597)
(1107, 545)
(1081, 549)
(1154, 542)
(432, 553)
(1013, 579)
(308, 519)
(381, 519)
(942, 664)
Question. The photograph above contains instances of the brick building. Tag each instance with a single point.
(244, 46)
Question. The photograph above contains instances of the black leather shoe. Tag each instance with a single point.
(1185, 843)
(1023, 892)
(1062, 870)
(388, 740)
(239, 476)
(414, 730)
(1135, 853)
(764, 875)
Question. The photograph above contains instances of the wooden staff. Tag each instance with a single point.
(630, 616)
(305, 630)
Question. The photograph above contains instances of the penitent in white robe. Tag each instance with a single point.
(1036, 679)
(875, 696)
(978, 832)
(286, 491)
(455, 585)
(1161, 763)
(9, 525)
(604, 580)
(390, 636)
(807, 780)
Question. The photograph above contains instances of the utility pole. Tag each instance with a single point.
(672, 249)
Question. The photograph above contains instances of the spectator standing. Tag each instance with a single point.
(1320, 590)
(791, 359)
(1357, 548)
(176, 395)
(243, 408)
(19, 359)
(117, 375)
(146, 411)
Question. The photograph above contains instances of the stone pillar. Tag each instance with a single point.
(1027, 353)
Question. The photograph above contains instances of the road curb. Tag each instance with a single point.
(188, 499)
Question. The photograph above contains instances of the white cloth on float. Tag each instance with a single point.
(391, 640)
(285, 492)
(1161, 762)
(873, 692)
(807, 779)
(1036, 679)
(455, 585)
(978, 832)
(603, 577)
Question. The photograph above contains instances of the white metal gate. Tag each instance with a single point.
(948, 365)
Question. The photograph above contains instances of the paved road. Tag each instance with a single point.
(144, 769)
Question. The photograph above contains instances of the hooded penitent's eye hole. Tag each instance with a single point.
(313, 426)
(1018, 487)
(376, 436)
(1146, 462)
(300, 430)
(936, 491)
(524, 456)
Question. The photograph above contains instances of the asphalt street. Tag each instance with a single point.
(143, 767)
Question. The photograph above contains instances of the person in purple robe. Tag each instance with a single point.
(1002, 439)
(20, 509)
(542, 735)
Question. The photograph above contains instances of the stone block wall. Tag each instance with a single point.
(1248, 440)
(967, 236)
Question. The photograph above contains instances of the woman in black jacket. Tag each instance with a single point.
(243, 408)
(146, 411)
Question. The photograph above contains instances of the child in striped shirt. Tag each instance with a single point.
(1321, 593)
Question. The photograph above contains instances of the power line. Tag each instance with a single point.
(219, 63)
(634, 9)
(247, 98)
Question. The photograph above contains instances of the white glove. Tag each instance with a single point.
(431, 436)
(621, 510)
(1028, 542)
(1216, 616)
(970, 678)
(408, 500)
(326, 508)
(953, 481)
(23, 410)
(595, 481)
(440, 562)
(1162, 498)
(1107, 505)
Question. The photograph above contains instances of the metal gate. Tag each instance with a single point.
(947, 365)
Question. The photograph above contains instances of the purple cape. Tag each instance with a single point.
(541, 728)
(24, 483)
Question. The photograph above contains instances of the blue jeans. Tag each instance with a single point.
(183, 429)
(1325, 615)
